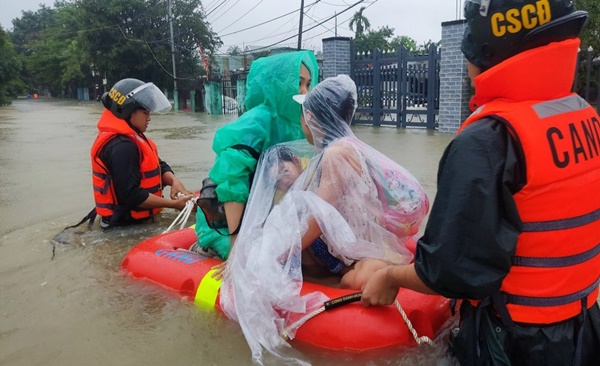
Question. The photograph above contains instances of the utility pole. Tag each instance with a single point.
(336, 23)
(175, 93)
(300, 27)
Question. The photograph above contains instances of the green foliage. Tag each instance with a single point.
(367, 40)
(10, 83)
(30, 27)
(359, 23)
(590, 37)
(27, 31)
(383, 39)
(234, 50)
(591, 33)
(81, 42)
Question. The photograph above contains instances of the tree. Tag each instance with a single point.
(590, 37)
(27, 31)
(383, 39)
(10, 83)
(56, 58)
(234, 50)
(359, 23)
(30, 28)
(591, 32)
(426, 45)
(408, 43)
(81, 42)
(137, 44)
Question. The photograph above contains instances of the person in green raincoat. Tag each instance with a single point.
(272, 117)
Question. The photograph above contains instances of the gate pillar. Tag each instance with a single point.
(455, 86)
(336, 56)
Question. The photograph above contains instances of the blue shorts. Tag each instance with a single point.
(321, 251)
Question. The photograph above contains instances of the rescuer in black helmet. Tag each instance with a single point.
(499, 29)
(513, 232)
(128, 175)
(128, 95)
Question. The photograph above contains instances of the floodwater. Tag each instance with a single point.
(68, 304)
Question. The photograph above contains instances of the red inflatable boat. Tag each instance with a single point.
(351, 327)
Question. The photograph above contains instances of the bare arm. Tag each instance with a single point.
(383, 286)
(330, 183)
(233, 213)
(169, 179)
(158, 202)
(312, 233)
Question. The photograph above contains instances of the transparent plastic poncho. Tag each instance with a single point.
(365, 204)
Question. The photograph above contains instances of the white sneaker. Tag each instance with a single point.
(207, 252)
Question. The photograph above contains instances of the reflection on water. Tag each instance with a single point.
(78, 307)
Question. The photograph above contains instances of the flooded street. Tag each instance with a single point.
(70, 304)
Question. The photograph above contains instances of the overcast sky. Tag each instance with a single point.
(418, 19)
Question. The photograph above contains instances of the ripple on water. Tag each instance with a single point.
(186, 133)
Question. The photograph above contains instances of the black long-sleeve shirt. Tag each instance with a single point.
(473, 226)
(122, 158)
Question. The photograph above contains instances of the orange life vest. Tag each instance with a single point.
(104, 193)
(556, 268)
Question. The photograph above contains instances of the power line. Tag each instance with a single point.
(268, 21)
(225, 12)
(271, 35)
(215, 8)
(320, 34)
(209, 5)
(246, 13)
(313, 27)
(324, 2)
(162, 67)
(330, 29)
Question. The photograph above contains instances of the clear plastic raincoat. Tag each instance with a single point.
(365, 204)
(272, 117)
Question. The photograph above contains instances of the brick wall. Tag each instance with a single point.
(455, 91)
(336, 56)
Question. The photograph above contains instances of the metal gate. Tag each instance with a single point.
(397, 89)
(229, 94)
(230, 91)
(587, 77)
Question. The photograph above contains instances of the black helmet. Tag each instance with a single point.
(128, 95)
(499, 29)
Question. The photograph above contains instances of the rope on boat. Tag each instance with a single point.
(183, 216)
(411, 329)
(285, 333)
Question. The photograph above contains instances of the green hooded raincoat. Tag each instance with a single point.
(272, 117)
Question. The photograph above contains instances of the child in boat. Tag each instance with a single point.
(286, 167)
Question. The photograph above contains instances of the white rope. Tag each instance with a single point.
(419, 340)
(285, 333)
(183, 216)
